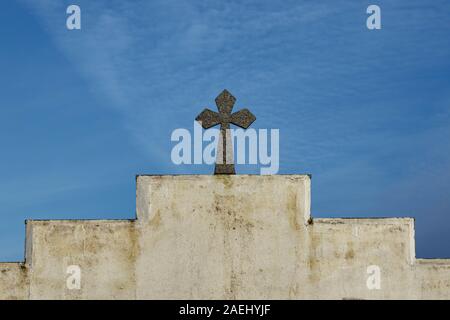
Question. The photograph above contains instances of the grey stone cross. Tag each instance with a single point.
(208, 118)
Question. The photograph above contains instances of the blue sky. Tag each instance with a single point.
(367, 113)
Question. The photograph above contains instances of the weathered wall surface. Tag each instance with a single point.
(224, 237)
(432, 279)
(13, 281)
(105, 251)
(221, 237)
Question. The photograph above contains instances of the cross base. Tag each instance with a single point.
(224, 169)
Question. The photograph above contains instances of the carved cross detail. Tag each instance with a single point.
(208, 118)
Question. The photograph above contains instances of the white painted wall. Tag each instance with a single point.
(224, 237)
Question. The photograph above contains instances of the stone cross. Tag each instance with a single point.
(208, 118)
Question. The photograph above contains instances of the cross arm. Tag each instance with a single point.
(208, 118)
(243, 118)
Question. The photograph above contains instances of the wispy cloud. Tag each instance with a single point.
(157, 61)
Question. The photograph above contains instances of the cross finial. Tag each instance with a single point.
(225, 102)
(208, 118)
